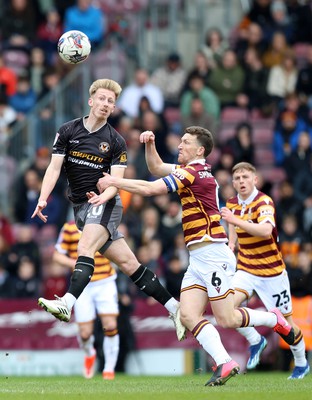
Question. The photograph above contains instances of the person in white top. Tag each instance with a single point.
(141, 87)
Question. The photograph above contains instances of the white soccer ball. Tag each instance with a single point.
(74, 47)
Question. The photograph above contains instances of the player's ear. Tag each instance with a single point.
(90, 102)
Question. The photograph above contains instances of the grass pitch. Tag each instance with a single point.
(252, 386)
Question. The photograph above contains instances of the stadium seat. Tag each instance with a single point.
(234, 114)
(18, 60)
(225, 133)
(263, 156)
(273, 174)
(262, 135)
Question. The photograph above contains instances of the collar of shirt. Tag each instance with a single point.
(249, 199)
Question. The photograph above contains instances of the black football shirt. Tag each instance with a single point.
(88, 155)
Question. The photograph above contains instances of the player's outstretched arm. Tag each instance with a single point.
(49, 180)
(155, 164)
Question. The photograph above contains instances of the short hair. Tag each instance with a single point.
(108, 84)
(204, 137)
(244, 165)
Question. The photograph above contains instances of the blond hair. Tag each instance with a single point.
(108, 84)
(244, 165)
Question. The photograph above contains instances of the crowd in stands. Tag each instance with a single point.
(253, 89)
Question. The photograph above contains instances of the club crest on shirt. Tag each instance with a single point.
(123, 158)
(104, 147)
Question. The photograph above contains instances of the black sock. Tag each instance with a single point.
(81, 275)
(148, 282)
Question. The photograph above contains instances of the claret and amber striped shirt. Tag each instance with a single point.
(67, 243)
(198, 191)
(257, 255)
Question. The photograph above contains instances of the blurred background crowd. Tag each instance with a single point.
(249, 81)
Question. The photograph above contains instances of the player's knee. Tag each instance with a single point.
(225, 321)
(128, 265)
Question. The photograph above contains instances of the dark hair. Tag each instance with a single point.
(204, 137)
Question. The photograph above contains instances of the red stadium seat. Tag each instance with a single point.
(264, 156)
(262, 135)
(273, 174)
(234, 114)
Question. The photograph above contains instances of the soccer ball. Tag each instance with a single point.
(74, 47)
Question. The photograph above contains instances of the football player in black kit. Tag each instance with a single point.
(87, 147)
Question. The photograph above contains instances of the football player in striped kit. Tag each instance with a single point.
(260, 266)
(212, 263)
(99, 298)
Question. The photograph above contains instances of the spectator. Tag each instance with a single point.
(8, 78)
(214, 47)
(197, 115)
(198, 89)
(254, 94)
(25, 205)
(150, 121)
(304, 82)
(280, 21)
(6, 284)
(260, 13)
(25, 98)
(24, 246)
(286, 135)
(48, 33)
(299, 158)
(173, 276)
(300, 15)
(288, 203)
(170, 78)
(241, 143)
(37, 69)
(19, 25)
(276, 51)
(283, 77)
(201, 67)
(8, 117)
(129, 101)
(227, 80)
(89, 19)
(253, 41)
(291, 238)
(170, 225)
(300, 275)
(26, 284)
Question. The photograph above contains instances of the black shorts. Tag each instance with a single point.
(108, 215)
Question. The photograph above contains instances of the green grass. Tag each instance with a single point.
(252, 386)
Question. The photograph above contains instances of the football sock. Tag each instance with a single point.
(87, 345)
(111, 351)
(257, 318)
(252, 336)
(299, 352)
(209, 338)
(148, 283)
(81, 275)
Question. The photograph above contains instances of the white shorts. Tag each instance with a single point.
(273, 292)
(99, 297)
(211, 269)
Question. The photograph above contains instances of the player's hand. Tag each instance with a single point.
(95, 199)
(227, 215)
(38, 211)
(104, 183)
(147, 137)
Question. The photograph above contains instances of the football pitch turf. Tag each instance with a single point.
(252, 386)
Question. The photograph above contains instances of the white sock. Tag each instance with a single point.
(210, 340)
(87, 345)
(111, 351)
(70, 300)
(298, 352)
(252, 336)
(264, 318)
(172, 305)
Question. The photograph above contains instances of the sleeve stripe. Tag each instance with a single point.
(170, 183)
